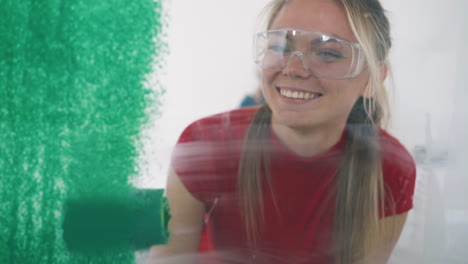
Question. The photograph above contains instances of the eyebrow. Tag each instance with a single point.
(320, 40)
(331, 37)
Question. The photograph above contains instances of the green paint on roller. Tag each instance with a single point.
(103, 224)
(72, 105)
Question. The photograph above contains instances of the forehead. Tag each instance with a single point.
(320, 15)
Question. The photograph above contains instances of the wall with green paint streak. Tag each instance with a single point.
(72, 105)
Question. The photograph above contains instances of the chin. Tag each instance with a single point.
(295, 122)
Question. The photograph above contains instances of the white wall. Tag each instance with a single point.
(210, 69)
(210, 66)
(430, 68)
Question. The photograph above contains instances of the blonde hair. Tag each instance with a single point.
(360, 188)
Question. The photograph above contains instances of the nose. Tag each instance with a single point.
(296, 68)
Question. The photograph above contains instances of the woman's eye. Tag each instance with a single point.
(278, 48)
(329, 55)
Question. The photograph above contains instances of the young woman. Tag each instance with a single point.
(309, 177)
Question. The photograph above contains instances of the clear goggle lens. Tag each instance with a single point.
(322, 55)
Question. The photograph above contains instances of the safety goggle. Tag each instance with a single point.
(324, 56)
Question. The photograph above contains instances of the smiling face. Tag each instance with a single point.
(325, 103)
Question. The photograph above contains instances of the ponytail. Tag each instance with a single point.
(254, 162)
(359, 188)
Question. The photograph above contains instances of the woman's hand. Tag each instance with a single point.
(185, 225)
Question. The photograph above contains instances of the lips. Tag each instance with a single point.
(292, 93)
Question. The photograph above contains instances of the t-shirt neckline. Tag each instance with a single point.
(338, 147)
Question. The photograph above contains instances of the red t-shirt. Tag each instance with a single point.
(298, 230)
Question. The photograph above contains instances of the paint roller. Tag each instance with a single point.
(98, 224)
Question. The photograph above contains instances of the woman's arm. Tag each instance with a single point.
(185, 225)
(393, 226)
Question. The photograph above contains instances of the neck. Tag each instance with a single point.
(308, 142)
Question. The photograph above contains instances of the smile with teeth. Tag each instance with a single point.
(298, 95)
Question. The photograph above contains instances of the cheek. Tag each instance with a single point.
(268, 79)
(354, 87)
(343, 94)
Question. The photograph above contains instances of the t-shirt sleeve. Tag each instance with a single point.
(207, 154)
(192, 161)
(399, 172)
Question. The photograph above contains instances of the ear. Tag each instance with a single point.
(365, 91)
(383, 71)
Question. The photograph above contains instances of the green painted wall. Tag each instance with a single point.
(72, 105)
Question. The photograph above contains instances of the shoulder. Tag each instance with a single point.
(399, 172)
(211, 139)
(217, 126)
(207, 151)
(394, 154)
